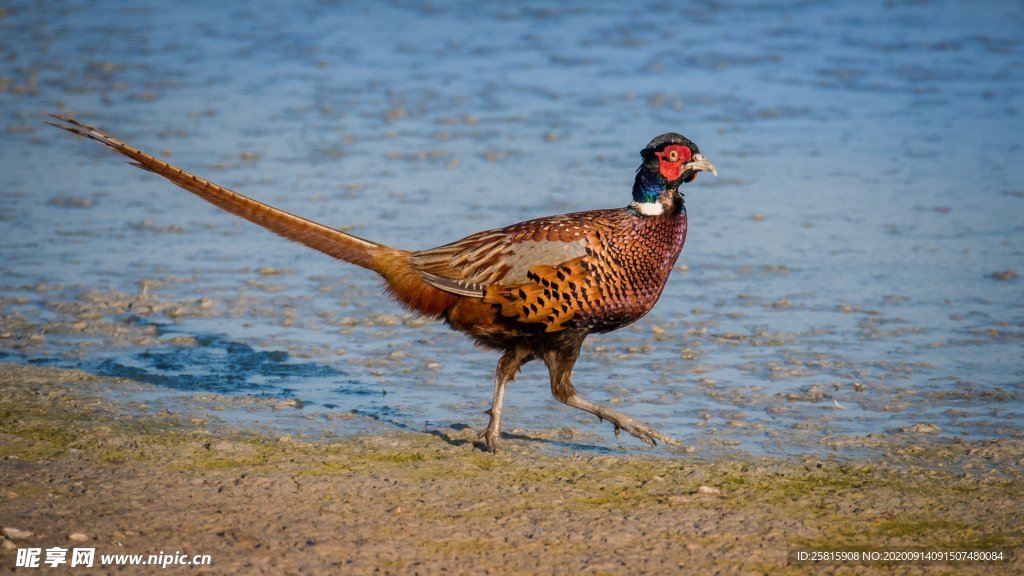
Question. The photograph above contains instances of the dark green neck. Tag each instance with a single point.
(648, 186)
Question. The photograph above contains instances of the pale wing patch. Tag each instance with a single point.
(468, 266)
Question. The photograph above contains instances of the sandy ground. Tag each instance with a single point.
(129, 478)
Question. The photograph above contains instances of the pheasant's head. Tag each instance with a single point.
(675, 158)
(669, 160)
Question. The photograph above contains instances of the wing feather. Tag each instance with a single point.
(536, 271)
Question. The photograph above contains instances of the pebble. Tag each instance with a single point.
(78, 537)
(386, 320)
(923, 428)
(289, 403)
(16, 533)
(678, 500)
(709, 491)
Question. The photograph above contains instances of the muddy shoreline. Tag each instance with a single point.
(135, 478)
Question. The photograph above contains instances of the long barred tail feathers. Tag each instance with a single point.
(328, 240)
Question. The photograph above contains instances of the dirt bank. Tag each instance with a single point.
(128, 478)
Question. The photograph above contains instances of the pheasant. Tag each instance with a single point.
(532, 290)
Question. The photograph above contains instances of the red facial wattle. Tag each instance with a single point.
(671, 160)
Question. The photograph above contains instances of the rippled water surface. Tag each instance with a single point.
(850, 275)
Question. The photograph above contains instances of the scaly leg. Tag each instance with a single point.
(508, 365)
(560, 363)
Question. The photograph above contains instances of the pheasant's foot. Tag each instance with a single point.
(490, 437)
(492, 433)
(642, 431)
(621, 422)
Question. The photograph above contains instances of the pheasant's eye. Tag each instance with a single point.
(673, 155)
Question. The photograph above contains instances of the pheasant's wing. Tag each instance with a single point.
(537, 271)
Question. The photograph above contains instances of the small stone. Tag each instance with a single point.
(387, 320)
(395, 510)
(923, 428)
(678, 500)
(16, 534)
(78, 537)
(1003, 275)
(709, 491)
(289, 403)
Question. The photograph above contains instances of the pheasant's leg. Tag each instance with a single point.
(560, 363)
(620, 421)
(508, 365)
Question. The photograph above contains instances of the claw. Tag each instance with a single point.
(644, 432)
(492, 444)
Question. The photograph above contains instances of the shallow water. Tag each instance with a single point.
(838, 280)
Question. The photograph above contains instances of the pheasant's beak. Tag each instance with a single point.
(699, 163)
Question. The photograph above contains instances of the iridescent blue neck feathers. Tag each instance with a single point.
(653, 195)
(648, 186)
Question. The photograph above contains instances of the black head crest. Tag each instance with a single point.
(666, 139)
